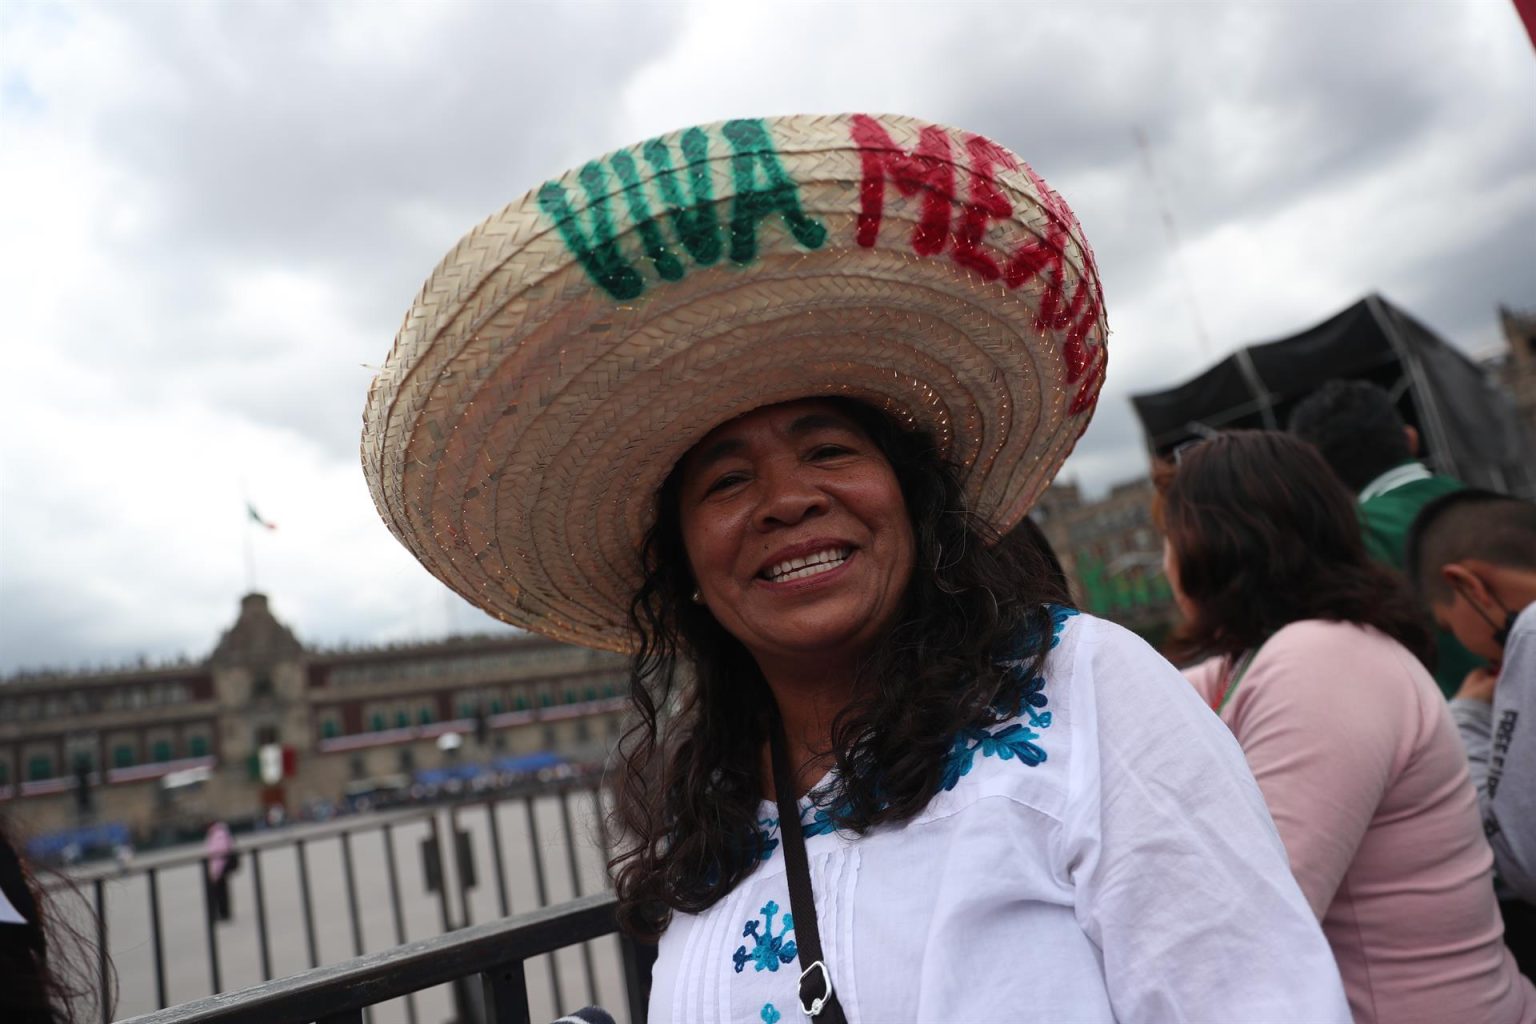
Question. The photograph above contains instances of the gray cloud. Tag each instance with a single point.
(278, 138)
(263, 187)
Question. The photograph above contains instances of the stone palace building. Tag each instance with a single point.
(264, 722)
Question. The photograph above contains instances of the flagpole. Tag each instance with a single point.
(252, 516)
(250, 558)
(245, 532)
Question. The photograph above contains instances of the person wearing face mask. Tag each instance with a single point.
(1472, 556)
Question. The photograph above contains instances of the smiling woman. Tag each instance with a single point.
(731, 402)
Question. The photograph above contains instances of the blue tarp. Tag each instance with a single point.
(468, 771)
(86, 839)
(527, 763)
(439, 776)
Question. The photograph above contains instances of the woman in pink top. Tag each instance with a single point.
(1310, 662)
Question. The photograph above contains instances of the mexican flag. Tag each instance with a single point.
(256, 517)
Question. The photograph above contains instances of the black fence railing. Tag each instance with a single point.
(486, 962)
(309, 896)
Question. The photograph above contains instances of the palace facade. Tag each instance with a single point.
(266, 723)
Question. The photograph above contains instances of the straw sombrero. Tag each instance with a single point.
(570, 349)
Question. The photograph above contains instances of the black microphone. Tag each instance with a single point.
(587, 1015)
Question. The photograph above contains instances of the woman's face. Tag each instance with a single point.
(796, 531)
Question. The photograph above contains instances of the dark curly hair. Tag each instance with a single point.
(687, 799)
(1264, 535)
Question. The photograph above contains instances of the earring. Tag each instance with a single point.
(698, 598)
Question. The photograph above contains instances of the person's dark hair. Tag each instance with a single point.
(1355, 426)
(687, 800)
(47, 965)
(1469, 524)
(1028, 541)
(1263, 536)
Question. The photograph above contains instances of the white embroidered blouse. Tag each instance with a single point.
(1104, 856)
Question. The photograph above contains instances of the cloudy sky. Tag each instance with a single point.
(213, 216)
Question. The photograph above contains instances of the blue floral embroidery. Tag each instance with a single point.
(1024, 643)
(767, 835)
(821, 823)
(769, 950)
(1060, 613)
(815, 820)
(771, 1015)
(1016, 740)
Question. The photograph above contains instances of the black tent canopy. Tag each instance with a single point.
(1469, 428)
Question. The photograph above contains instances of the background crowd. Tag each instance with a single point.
(1323, 575)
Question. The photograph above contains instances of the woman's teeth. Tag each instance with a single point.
(810, 565)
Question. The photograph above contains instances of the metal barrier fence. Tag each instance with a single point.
(495, 954)
(319, 894)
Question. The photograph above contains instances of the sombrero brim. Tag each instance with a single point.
(568, 351)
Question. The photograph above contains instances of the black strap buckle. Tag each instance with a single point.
(820, 993)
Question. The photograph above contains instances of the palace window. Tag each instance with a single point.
(5, 773)
(39, 767)
(402, 719)
(122, 756)
(521, 702)
(197, 746)
(161, 751)
(329, 728)
(376, 721)
(424, 716)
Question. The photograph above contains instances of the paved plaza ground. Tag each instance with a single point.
(582, 979)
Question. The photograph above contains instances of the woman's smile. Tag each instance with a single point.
(820, 561)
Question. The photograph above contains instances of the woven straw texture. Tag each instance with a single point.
(569, 350)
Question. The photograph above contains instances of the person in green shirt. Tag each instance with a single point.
(1356, 427)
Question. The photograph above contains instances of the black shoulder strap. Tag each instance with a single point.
(817, 1000)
